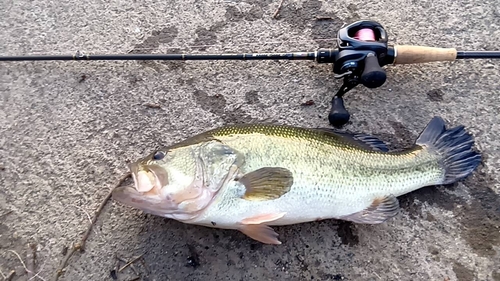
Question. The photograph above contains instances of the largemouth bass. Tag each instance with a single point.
(251, 177)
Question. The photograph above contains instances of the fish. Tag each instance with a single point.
(251, 177)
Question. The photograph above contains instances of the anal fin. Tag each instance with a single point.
(379, 211)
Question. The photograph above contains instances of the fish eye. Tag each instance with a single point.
(159, 155)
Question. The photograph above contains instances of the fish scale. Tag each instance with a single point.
(327, 182)
(250, 177)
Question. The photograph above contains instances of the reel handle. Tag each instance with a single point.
(373, 75)
(407, 54)
(338, 115)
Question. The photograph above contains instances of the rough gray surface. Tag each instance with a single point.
(69, 128)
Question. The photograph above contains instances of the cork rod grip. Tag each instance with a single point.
(417, 54)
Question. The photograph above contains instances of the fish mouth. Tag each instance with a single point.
(148, 179)
(152, 204)
(145, 194)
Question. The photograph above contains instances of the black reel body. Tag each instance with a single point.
(361, 52)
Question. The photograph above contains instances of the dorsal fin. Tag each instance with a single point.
(363, 140)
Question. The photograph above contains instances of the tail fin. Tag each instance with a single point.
(454, 146)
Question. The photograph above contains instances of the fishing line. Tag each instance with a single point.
(361, 52)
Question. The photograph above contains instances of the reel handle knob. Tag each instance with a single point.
(373, 75)
(338, 115)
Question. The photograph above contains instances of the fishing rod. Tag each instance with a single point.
(362, 50)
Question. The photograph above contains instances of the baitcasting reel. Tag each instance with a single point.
(362, 50)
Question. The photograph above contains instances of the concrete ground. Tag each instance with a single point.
(68, 129)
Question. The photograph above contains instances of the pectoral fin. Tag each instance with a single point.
(255, 228)
(379, 211)
(266, 183)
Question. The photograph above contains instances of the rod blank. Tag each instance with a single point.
(478, 55)
(243, 56)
